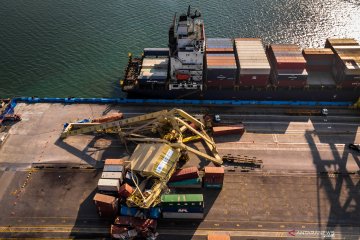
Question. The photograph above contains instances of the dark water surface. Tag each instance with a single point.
(79, 48)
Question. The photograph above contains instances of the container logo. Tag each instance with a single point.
(165, 160)
(182, 210)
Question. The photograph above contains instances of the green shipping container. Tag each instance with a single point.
(179, 200)
(192, 183)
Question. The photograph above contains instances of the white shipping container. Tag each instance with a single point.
(113, 175)
(155, 63)
(109, 185)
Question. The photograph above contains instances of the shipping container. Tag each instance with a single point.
(221, 74)
(109, 185)
(213, 177)
(117, 161)
(286, 56)
(182, 203)
(331, 42)
(188, 183)
(218, 237)
(220, 84)
(154, 213)
(186, 173)
(253, 65)
(113, 175)
(156, 52)
(179, 215)
(319, 59)
(108, 118)
(227, 130)
(113, 168)
(107, 206)
(219, 45)
(161, 63)
(126, 190)
(131, 211)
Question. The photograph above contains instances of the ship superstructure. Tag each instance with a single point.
(187, 47)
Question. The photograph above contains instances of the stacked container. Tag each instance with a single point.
(185, 178)
(107, 206)
(253, 64)
(188, 206)
(318, 59)
(154, 71)
(112, 176)
(220, 63)
(219, 45)
(346, 68)
(288, 65)
(213, 177)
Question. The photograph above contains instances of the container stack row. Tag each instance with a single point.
(288, 65)
(346, 67)
(253, 65)
(221, 68)
(318, 59)
(132, 221)
(112, 176)
(154, 70)
(187, 206)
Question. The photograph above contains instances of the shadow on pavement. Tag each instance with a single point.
(341, 188)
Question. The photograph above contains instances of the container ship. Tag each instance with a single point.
(196, 67)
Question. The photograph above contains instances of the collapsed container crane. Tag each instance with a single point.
(161, 145)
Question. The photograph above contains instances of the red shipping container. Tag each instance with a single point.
(254, 80)
(125, 190)
(107, 206)
(183, 174)
(291, 83)
(220, 83)
(214, 175)
(291, 65)
(217, 172)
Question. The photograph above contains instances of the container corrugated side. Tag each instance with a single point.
(218, 237)
(113, 168)
(177, 215)
(181, 198)
(111, 185)
(187, 183)
(113, 175)
(186, 173)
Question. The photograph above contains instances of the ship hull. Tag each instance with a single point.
(251, 94)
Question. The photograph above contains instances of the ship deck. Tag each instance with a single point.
(309, 181)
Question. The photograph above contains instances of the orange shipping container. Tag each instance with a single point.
(218, 237)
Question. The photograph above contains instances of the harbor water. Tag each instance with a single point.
(79, 48)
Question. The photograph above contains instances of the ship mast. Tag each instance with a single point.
(187, 44)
